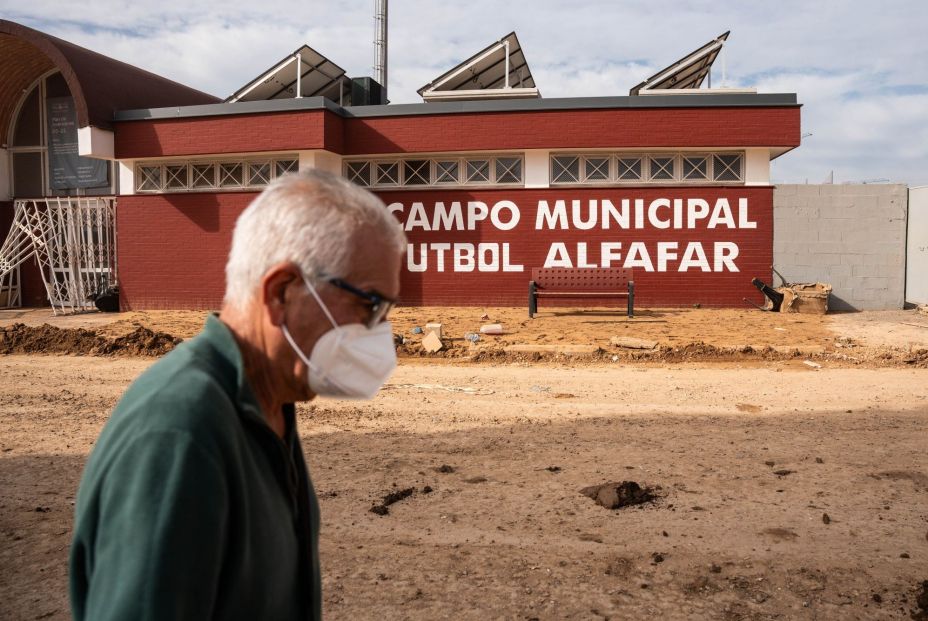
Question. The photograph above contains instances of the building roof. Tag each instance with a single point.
(100, 85)
(710, 100)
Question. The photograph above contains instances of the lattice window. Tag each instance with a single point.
(447, 171)
(630, 168)
(477, 171)
(566, 169)
(203, 175)
(596, 168)
(695, 168)
(387, 173)
(231, 175)
(359, 173)
(149, 179)
(508, 170)
(259, 173)
(663, 168)
(282, 167)
(727, 167)
(416, 172)
(175, 177)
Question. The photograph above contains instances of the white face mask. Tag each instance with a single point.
(350, 361)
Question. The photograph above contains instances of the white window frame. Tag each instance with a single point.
(434, 174)
(273, 163)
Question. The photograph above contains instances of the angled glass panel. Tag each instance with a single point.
(175, 177)
(663, 168)
(630, 168)
(727, 167)
(282, 167)
(509, 170)
(478, 171)
(416, 172)
(359, 173)
(203, 175)
(695, 168)
(259, 173)
(596, 168)
(447, 171)
(149, 179)
(231, 175)
(565, 169)
(387, 173)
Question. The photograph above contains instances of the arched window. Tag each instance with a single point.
(29, 140)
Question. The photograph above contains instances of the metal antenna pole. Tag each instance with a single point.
(380, 44)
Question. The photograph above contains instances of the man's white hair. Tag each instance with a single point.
(307, 218)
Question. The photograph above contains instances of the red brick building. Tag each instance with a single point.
(671, 183)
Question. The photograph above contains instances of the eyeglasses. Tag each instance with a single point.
(380, 305)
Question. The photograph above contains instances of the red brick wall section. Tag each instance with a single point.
(575, 129)
(245, 133)
(564, 129)
(529, 247)
(32, 288)
(172, 248)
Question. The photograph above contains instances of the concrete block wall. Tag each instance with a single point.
(851, 236)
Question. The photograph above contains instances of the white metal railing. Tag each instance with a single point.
(74, 243)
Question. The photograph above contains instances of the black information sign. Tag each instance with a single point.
(68, 170)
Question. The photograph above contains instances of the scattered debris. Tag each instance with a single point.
(630, 342)
(784, 472)
(715, 569)
(445, 469)
(472, 337)
(770, 463)
(484, 317)
(42, 509)
(819, 460)
(619, 495)
(476, 480)
(433, 327)
(921, 599)
(657, 557)
(812, 364)
(416, 330)
(553, 468)
(904, 555)
(432, 343)
(537, 388)
(391, 498)
(826, 519)
(491, 328)
(398, 339)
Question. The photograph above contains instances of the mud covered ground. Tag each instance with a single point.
(744, 463)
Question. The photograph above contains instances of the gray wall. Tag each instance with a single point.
(851, 236)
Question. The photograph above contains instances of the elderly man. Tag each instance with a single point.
(196, 502)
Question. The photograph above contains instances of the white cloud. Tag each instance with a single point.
(849, 63)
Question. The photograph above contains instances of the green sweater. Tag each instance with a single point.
(190, 506)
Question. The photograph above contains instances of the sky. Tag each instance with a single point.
(858, 68)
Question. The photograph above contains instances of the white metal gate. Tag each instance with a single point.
(916, 261)
(74, 242)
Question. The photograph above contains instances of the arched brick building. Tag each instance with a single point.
(672, 183)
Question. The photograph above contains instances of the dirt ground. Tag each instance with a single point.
(784, 490)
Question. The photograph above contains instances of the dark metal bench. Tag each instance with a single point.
(580, 283)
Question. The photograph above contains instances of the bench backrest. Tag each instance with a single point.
(585, 279)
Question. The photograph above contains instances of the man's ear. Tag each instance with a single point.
(275, 287)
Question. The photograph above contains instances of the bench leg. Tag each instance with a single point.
(532, 300)
(631, 299)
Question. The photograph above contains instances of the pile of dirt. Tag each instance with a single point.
(45, 339)
(921, 600)
(620, 495)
